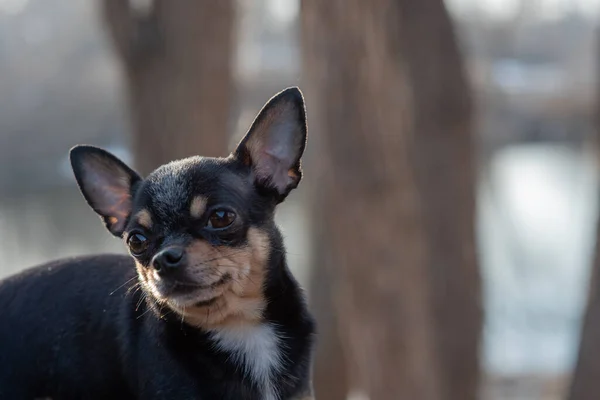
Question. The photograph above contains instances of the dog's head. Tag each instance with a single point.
(201, 229)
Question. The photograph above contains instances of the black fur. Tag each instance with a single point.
(80, 328)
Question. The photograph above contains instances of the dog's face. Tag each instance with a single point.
(200, 229)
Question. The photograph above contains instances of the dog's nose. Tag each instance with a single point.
(168, 259)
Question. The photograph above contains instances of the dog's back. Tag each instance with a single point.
(78, 308)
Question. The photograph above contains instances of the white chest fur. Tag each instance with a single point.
(256, 349)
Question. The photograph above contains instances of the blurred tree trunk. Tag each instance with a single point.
(585, 384)
(395, 202)
(177, 58)
(443, 156)
(586, 377)
(330, 376)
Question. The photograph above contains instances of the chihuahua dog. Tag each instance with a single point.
(205, 308)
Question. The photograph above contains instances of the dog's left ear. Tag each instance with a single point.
(275, 142)
(106, 183)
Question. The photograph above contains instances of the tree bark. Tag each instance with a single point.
(368, 206)
(177, 58)
(584, 384)
(330, 373)
(443, 158)
(395, 200)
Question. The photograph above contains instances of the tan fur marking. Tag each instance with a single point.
(144, 275)
(241, 300)
(198, 206)
(238, 301)
(144, 218)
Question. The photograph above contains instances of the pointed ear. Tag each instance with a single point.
(106, 183)
(275, 142)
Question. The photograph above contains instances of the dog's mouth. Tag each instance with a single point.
(186, 292)
(180, 287)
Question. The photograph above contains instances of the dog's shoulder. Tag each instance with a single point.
(61, 319)
(105, 264)
(71, 283)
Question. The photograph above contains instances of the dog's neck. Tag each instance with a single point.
(257, 344)
(258, 349)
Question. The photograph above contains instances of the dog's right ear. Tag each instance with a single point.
(273, 146)
(106, 183)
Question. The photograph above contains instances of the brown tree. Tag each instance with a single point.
(584, 384)
(177, 59)
(443, 156)
(388, 96)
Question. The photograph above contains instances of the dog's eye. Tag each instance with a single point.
(138, 243)
(220, 219)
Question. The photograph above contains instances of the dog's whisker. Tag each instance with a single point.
(139, 303)
(126, 282)
(133, 288)
(144, 313)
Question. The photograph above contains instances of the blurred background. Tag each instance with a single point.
(446, 226)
